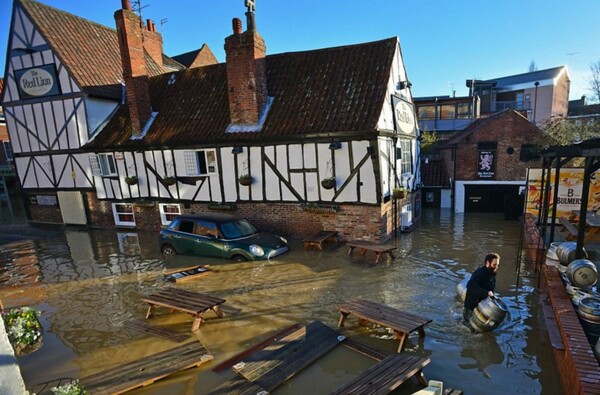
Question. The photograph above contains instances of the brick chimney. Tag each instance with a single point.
(246, 73)
(129, 30)
(153, 42)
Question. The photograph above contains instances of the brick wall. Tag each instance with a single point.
(204, 58)
(509, 130)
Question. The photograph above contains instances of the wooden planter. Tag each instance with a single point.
(328, 183)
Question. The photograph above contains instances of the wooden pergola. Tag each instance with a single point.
(555, 158)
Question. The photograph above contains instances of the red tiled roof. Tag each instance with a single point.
(332, 90)
(480, 123)
(434, 173)
(89, 50)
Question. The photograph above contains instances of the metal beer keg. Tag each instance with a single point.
(582, 273)
(566, 252)
(461, 290)
(488, 314)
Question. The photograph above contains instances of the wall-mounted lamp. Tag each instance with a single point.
(237, 150)
(403, 85)
(335, 145)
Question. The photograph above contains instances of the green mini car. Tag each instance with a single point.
(219, 235)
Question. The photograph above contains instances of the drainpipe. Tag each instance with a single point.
(453, 181)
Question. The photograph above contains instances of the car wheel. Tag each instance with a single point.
(168, 250)
(239, 258)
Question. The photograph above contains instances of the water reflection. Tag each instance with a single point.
(91, 284)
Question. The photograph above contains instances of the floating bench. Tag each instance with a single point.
(186, 273)
(402, 323)
(319, 238)
(569, 227)
(387, 375)
(164, 333)
(193, 303)
(378, 249)
(147, 370)
(238, 386)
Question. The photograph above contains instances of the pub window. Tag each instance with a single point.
(426, 112)
(199, 163)
(123, 214)
(103, 165)
(168, 211)
(463, 110)
(406, 157)
(8, 153)
(447, 111)
(529, 152)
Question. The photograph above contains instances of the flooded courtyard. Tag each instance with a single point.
(88, 284)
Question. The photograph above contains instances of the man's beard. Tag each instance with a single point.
(491, 271)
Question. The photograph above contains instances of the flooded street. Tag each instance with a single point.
(88, 284)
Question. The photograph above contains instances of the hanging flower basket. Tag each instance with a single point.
(399, 193)
(131, 180)
(245, 179)
(328, 183)
(168, 181)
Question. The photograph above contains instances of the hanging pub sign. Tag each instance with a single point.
(404, 116)
(39, 81)
(486, 160)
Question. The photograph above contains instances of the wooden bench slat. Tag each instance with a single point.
(238, 386)
(146, 370)
(385, 376)
(164, 333)
(384, 315)
(264, 362)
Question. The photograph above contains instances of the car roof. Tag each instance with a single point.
(214, 217)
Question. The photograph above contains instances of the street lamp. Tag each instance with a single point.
(537, 83)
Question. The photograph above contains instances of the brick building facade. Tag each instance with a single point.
(488, 161)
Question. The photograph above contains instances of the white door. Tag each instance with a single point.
(72, 208)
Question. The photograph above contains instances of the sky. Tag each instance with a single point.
(443, 42)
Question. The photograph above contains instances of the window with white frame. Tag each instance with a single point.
(200, 163)
(103, 165)
(406, 158)
(8, 153)
(123, 214)
(168, 211)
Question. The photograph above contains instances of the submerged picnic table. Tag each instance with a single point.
(193, 303)
(378, 249)
(402, 323)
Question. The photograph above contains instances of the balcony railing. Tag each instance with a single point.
(516, 105)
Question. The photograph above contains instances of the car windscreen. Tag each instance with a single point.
(237, 229)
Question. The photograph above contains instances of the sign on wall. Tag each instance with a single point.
(570, 186)
(486, 160)
(39, 81)
(404, 116)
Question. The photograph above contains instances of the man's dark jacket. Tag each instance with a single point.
(478, 286)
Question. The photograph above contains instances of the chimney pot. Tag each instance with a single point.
(237, 26)
(149, 24)
(126, 5)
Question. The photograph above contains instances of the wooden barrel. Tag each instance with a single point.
(582, 273)
(488, 314)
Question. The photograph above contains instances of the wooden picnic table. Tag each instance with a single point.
(401, 322)
(318, 238)
(193, 303)
(378, 249)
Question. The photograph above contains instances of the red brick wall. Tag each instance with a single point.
(153, 43)
(204, 58)
(49, 214)
(246, 76)
(509, 130)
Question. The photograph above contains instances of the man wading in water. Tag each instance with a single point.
(482, 284)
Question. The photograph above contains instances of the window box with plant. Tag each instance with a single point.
(23, 328)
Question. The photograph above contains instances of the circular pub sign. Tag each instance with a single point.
(405, 117)
(37, 82)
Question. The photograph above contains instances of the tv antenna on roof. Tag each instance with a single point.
(570, 55)
(137, 7)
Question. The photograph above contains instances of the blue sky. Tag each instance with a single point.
(443, 42)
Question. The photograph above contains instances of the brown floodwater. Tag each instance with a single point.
(87, 284)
